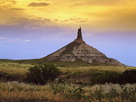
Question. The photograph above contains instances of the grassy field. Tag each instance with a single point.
(23, 68)
(8, 67)
(74, 85)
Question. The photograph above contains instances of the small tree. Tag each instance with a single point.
(42, 74)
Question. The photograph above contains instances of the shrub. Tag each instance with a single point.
(42, 74)
(104, 77)
(129, 76)
(11, 77)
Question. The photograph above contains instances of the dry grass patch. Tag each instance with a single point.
(67, 92)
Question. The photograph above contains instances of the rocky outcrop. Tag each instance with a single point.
(79, 50)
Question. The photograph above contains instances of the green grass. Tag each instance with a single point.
(13, 67)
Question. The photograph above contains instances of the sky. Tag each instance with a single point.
(35, 28)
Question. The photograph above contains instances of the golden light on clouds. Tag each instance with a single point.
(95, 14)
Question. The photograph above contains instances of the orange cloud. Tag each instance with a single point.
(33, 4)
(17, 9)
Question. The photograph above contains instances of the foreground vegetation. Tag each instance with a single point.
(20, 92)
(74, 84)
(77, 75)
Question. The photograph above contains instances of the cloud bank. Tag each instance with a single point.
(98, 15)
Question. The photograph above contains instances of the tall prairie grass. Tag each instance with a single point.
(16, 92)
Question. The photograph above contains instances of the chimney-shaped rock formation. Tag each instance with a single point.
(79, 50)
(79, 36)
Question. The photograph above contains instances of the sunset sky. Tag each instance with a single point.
(35, 28)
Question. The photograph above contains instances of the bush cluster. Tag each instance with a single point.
(129, 76)
(42, 74)
(104, 77)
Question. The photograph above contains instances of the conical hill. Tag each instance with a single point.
(79, 50)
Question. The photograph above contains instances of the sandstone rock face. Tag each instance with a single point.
(79, 50)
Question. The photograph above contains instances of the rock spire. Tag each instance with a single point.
(79, 34)
(79, 50)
